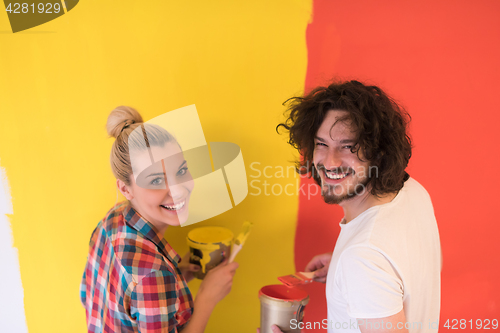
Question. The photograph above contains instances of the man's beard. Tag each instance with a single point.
(328, 192)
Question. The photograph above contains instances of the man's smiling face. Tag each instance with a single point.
(343, 174)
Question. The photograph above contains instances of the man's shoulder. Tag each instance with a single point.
(415, 188)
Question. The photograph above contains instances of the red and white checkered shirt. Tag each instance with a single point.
(131, 282)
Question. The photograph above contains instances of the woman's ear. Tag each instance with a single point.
(126, 190)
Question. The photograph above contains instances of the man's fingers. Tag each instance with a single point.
(320, 279)
(322, 272)
(312, 266)
(315, 264)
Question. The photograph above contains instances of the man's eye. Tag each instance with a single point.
(347, 147)
(182, 171)
(157, 181)
(320, 144)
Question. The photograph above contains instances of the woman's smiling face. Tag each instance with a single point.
(161, 192)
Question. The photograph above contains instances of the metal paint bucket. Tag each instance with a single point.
(281, 306)
(209, 246)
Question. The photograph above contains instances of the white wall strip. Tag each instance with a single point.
(12, 316)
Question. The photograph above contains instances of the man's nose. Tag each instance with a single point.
(332, 159)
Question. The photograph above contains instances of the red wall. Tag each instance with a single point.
(440, 60)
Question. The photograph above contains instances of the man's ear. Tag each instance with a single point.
(126, 190)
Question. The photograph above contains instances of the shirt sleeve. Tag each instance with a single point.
(83, 289)
(370, 283)
(154, 303)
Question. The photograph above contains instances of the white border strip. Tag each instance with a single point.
(12, 315)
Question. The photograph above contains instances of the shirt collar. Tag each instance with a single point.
(136, 221)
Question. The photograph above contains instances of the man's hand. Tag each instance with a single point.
(320, 264)
(275, 329)
(188, 269)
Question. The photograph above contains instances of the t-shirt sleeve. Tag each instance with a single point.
(370, 283)
(154, 303)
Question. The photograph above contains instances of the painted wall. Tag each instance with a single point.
(58, 82)
(238, 61)
(440, 60)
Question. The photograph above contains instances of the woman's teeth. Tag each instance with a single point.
(336, 176)
(175, 207)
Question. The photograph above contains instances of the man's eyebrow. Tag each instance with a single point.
(317, 138)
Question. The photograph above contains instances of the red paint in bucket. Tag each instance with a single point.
(284, 293)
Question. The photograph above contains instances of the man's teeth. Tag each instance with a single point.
(336, 176)
(174, 207)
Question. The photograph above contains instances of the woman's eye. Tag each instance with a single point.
(320, 144)
(347, 147)
(157, 181)
(182, 171)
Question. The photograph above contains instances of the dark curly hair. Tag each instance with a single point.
(380, 123)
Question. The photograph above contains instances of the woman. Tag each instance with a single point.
(133, 281)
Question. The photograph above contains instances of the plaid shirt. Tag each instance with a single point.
(131, 282)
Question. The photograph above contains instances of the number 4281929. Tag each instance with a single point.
(480, 324)
(24, 8)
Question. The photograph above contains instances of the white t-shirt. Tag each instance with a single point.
(386, 259)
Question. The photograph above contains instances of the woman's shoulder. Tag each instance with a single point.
(109, 225)
(140, 256)
(116, 211)
(114, 218)
(137, 254)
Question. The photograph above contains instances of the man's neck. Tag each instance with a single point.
(357, 205)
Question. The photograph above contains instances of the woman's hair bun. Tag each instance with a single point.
(120, 118)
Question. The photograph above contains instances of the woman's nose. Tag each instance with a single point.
(176, 191)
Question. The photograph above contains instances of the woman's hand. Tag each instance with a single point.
(217, 283)
(187, 269)
(215, 286)
(319, 264)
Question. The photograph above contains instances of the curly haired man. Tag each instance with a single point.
(384, 273)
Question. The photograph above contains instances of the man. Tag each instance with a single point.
(384, 273)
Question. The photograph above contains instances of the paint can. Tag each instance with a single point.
(209, 246)
(281, 306)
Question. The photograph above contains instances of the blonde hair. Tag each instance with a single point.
(121, 124)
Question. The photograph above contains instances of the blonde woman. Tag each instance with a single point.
(133, 280)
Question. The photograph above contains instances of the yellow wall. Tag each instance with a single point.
(237, 61)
